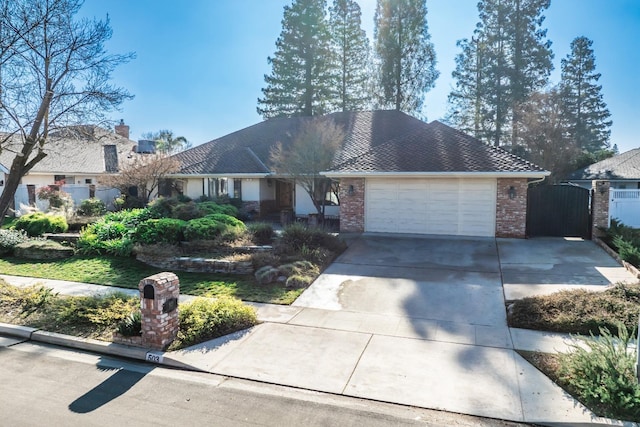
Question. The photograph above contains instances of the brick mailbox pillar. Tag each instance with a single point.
(159, 310)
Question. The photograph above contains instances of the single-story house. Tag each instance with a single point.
(77, 157)
(396, 174)
(623, 174)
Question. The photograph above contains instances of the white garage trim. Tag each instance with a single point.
(453, 206)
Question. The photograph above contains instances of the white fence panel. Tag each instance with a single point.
(108, 196)
(624, 205)
(78, 192)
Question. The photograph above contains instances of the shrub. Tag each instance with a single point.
(227, 220)
(203, 319)
(108, 230)
(131, 325)
(627, 250)
(10, 238)
(578, 311)
(91, 207)
(617, 228)
(38, 223)
(186, 211)
(603, 374)
(105, 237)
(130, 218)
(162, 207)
(97, 310)
(164, 230)
(267, 274)
(209, 208)
(261, 232)
(203, 229)
(312, 243)
(260, 259)
(31, 299)
(57, 198)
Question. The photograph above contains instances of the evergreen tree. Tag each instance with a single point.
(351, 53)
(510, 60)
(468, 109)
(405, 55)
(585, 108)
(300, 80)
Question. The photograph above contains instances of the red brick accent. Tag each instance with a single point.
(352, 205)
(511, 214)
(159, 329)
(600, 207)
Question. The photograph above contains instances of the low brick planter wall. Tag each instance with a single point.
(121, 339)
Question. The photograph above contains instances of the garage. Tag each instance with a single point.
(452, 206)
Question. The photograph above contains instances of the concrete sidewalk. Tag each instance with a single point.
(384, 358)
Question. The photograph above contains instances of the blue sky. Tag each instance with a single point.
(200, 63)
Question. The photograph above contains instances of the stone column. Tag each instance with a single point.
(159, 310)
(599, 207)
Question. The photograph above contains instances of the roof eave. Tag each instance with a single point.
(360, 174)
(218, 175)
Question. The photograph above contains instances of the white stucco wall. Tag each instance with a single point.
(192, 187)
(304, 205)
(251, 189)
(37, 180)
(267, 192)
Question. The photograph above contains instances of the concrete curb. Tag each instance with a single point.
(17, 331)
(95, 346)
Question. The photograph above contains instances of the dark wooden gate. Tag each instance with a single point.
(559, 210)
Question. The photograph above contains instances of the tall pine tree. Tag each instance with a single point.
(351, 53)
(405, 55)
(512, 60)
(301, 77)
(585, 109)
(467, 106)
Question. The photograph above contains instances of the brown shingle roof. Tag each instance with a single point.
(376, 141)
(436, 147)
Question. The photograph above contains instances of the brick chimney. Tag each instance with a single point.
(122, 129)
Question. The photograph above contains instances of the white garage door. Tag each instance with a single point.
(465, 207)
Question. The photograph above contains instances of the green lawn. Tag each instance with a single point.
(127, 273)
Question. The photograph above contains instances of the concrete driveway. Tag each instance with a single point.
(546, 265)
(449, 289)
(454, 289)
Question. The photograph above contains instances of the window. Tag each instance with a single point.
(237, 189)
(87, 181)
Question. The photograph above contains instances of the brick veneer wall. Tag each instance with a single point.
(600, 207)
(352, 205)
(159, 328)
(511, 214)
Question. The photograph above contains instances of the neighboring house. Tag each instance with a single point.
(77, 157)
(396, 173)
(623, 174)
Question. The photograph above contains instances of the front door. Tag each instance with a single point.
(284, 194)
